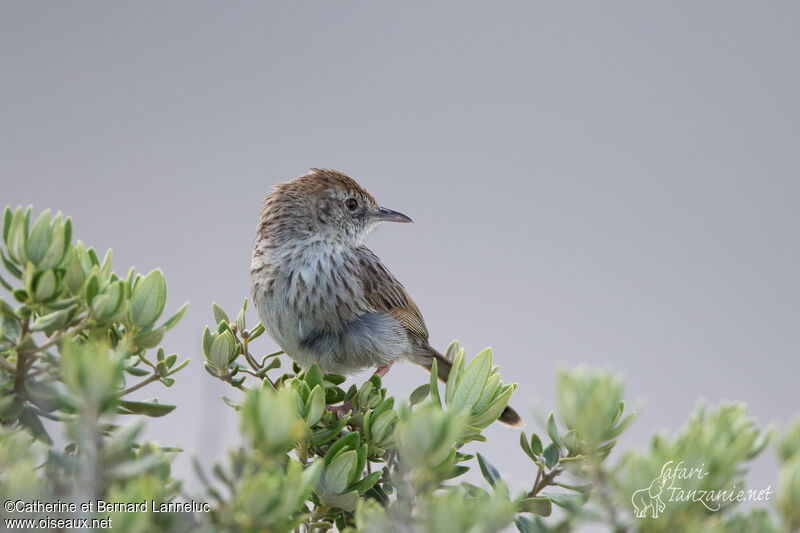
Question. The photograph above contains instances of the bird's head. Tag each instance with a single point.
(327, 203)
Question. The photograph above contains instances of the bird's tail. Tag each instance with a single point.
(443, 365)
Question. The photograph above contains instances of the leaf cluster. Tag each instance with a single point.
(369, 459)
(318, 453)
(75, 340)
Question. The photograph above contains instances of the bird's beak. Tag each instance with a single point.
(387, 215)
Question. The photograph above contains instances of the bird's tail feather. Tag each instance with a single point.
(443, 365)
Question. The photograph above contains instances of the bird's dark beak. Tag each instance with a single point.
(387, 215)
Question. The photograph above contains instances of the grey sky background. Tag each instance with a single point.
(613, 184)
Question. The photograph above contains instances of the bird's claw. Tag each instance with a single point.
(341, 410)
(383, 369)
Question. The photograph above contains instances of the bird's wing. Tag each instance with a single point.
(385, 294)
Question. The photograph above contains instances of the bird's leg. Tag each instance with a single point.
(383, 369)
(341, 410)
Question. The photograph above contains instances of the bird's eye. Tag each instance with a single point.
(351, 204)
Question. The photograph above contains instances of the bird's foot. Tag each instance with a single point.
(383, 369)
(342, 409)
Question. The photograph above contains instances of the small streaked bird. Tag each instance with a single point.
(322, 294)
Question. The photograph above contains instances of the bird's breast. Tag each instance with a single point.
(304, 290)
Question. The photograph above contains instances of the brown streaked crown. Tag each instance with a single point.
(321, 180)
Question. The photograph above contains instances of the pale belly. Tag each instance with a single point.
(315, 333)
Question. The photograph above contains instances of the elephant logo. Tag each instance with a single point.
(649, 499)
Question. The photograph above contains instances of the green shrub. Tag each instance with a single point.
(76, 339)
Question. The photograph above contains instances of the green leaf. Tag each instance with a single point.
(28, 276)
(380, 425)
(605, 449)
(116, 297)
(219, 314)
(350, 392)
(758, 445)
(231, 403)
(56, 319)
(363, 395)
(7, 215)
(567, 500)
(39, 238)
(45, 286)
(494, 410)
(240, 320)
(622, 426)
(456, 471)
(367, 483)
(361, 462)
(489, 472)
(29, 420)
(473, 381)
(7, 310)
(6, 284)
(174, 319)
(434, 385)
(55, 251)
(526, 525)
(221, 350)
(211, 369)
(313, 377)
(11, 267)
(207, 341)
(99, 304)
(17, 234)
(161, 368)
(541, 506)
(347, 501)
(351, 441)
(552, 429)
(451, 352)
(452, 379)
(148, 299)
(315, 406)
(149, 339)
(256, 332)
(92, 287)
(577, 488)
(170, 360)
(67, 237)
(333, 395)
(551, 455)
(526, 447)
(338, 472)
(325, 435)
(419, 394)
(488, 394)
(536, 444)
(136, 371)
(618, 413)
(570, 441)
(335, 379)
(146, 408)
(105, 269)
(93, 258)
(74, 275)
(181, 365)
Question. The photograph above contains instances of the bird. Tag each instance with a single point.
(325, 297)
